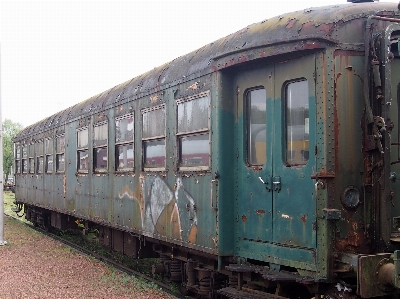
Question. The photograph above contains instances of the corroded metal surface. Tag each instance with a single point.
(316, 25)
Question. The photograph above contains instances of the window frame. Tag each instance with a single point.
(147, 140)
(39, 157)
(120, 143)
(294, 152)
(100, 147)
(49, 153)
(248, 119)
(31, 158)
(82, 150)
(24, 159)
(196, 132)
(17, 158)
(59, 153)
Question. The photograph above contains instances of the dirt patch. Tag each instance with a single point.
(35, 266)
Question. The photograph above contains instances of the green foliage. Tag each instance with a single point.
(10, 129)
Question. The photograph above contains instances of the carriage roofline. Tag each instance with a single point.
(305, 29)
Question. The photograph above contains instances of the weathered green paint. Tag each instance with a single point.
(226, 210)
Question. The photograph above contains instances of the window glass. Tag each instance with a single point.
(60, 162)
(100, 135)
(39, 164)
(39, 148)
(17, 166)
(18, 152)
(31, 165)
(297, 123)
(154, 135)
(100, 159)
(124, 156)
(24, 166)
(60, 144)
(24, 152)
(31, 150)
(193, 132)
(193, 115)
(154, 123)
(49, 163)
(256, 127)
(195, 150)
(48, 146)
(60, 147)
(154, 153)
(83, 160)
(124, 129)
(39, 157)
(83, 138)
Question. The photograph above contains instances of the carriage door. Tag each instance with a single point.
(294, 204)
(275, 150)
(253, 91)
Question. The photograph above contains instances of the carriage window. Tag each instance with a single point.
(48, 145)
(297, 123)
(256, 126)
(193, 132)
(124, 155)
(100, 141)
(83, 151)
(31, 156)
(60, 158)
(17, 157)
(153, 137)
(39, 157)
(24, 159)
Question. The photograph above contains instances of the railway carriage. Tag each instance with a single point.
(263, 165)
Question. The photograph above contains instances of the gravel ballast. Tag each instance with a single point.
(36, 266)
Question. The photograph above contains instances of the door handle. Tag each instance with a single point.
(267, 182)
(272, 183)
(277, 183)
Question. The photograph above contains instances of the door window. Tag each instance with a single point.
(256, 126)
(297, 123)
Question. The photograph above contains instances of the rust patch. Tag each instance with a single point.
(257, 168)
(154, 98)
(307, 25)
(243, 59)
(291, 23)
(262, 54)
(260, 212)
(355, 240)
(244, 218)
(194, 86)
(304, 218)
(326, 28)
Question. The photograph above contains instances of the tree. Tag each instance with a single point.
(10, 129)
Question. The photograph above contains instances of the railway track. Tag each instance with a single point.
(168, 287)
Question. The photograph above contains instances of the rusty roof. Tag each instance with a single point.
(323, 23)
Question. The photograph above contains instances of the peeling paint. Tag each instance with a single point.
(159, 207)
(286, 216)
(304, 218)
(194, 86)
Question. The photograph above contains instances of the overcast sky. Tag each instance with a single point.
(55, 54)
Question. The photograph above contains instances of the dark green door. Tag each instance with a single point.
(254, 161)
(275, 204)
(294, 202)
